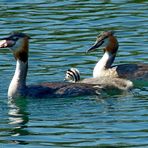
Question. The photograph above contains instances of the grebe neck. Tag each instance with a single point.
(104, 63)
(18, 82)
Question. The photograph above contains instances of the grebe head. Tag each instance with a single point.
(108, 41)
(18, 43)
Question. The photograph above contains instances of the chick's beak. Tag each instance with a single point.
(5, 43)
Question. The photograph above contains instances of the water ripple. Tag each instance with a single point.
(61, 32)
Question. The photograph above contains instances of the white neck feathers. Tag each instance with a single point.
(104, 63)
(18, 82)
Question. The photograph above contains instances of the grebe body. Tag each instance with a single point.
(104, 65)
(18, 43)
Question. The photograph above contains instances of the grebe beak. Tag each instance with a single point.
(6, 42)
(97, 44)
(103, 36)
(12, 39)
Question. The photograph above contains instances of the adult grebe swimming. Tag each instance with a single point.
(19, 45)
(104, 66)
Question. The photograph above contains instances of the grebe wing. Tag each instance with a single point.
(133, 71)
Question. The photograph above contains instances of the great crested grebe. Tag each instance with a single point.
(19, 45)
(104, 66)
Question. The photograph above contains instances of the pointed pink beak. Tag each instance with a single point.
(5, 43)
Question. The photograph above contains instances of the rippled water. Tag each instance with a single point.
(61, 32)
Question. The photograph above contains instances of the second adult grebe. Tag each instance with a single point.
(104, 66)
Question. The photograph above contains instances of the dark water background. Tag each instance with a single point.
(61, 32)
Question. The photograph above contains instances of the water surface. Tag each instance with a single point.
(61, 32)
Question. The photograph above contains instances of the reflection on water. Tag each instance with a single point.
(18, 119)
(78, 121)
(17, 111)
(61, 32)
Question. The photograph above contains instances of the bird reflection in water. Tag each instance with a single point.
(18, 118)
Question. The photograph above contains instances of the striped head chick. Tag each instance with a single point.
(72, 75)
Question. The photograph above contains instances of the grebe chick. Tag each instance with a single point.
(73, 75)
(104, 65)
(18, 43)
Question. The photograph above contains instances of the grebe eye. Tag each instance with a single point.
(15, 38)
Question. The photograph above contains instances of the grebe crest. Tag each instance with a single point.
(107, 41)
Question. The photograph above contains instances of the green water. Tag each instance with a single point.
(61, 32)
